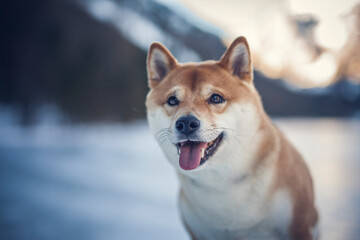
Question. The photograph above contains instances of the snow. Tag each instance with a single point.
(85, 182)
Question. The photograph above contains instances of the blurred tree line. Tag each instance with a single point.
(53, 52)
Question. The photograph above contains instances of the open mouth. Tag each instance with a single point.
(192, 153)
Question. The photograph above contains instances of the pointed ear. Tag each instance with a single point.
(159, 63)
(237, 59)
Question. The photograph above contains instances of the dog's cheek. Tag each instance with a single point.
(242, 118)
(171, 110)
(219, 108)
(158, 120)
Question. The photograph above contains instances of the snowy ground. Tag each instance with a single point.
(111, 181)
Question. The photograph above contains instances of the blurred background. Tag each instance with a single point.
(77, 160)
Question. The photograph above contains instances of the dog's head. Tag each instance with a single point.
(198, 110)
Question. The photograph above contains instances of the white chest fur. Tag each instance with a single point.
(233, 210)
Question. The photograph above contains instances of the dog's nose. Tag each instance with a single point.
(187, 125)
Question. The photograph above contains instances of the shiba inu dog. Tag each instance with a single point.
(240, 177)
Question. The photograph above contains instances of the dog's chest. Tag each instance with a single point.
(236, 212)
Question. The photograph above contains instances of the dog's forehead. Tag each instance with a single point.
(201, 79)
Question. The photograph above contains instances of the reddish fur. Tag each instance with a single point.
(293, 174)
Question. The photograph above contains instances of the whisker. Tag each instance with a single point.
(166, 135)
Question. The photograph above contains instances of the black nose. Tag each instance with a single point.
(187, 125)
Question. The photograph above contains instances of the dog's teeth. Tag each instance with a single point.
(202, 152)
(179, 151)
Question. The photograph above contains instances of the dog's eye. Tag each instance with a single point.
(216, 99)
(172, 101)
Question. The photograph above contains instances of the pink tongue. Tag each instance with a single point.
(190, 155)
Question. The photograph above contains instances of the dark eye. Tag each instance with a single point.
(216, 99)
(172, 101)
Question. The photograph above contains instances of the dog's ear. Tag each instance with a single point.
(237, 59)
(159, 63)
